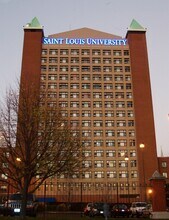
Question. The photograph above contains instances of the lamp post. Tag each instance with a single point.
(142, 146)
(127, 165)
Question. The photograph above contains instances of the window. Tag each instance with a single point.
(97, 104)
(119, 86)
(111, 174)
(98, 143)
(96, 68)
(163, 164)
(43, 60)
(108, 104)
(86, 95)
(120, 104)
(120, 114)
(74, 104)
(97, 77)
(86, 143)
(63, 77)
(99, 174)
(107, 60)
(118, 69)
(52, 86)
(110, 133)
(86, 133)
(86, 175)
(119, 95)
(87, 153)
(123, 174)
(64, 68)
(85, 52)
(129, 95)
(132, 153)
(85, 77)
(118, 78)
(121, 123)
(85, 60)
(106, 52)
(127, 68)
(85, 68)
(74, 52)
(52, 60)
(63, 86)
(52, 77)
(44, 52)
(63, 95)
(97, 95)
(110, 153)
(129, 104)
(110, 143)
(74, 60)
(98, 133)
(98, 153)
(111, 163)
(98, 163)
(98, 123)
(108, 95)
(97, 86)
(86, 114)
(126, 52)
(97, 114)
(85, 86)
(64, 52)
(96, 60)
(53, 52)
(132, 143)
(74, 69)
(107, 69)
(121, 143)
(121, 133)
(74, 86)
(109, 113)
(74, 114)
(63, 104)
(109, 123)
(86, 123)
(128, 78)
(134, 174)
(74, 123)
(117, 52)
(108, 86)
(96, 52)
(74, 95)
(165, 174)
(63, 60)
(85, 104)
(86, 163)
(117, 60)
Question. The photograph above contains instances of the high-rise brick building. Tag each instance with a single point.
(102, 84)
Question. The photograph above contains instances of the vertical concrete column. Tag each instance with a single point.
(158, 182)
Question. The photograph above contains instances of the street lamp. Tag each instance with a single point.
(142, 146)
(127, 165)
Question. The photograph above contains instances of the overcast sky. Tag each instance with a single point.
(111, 16)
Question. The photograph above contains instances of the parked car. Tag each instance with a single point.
(87, 208)
(147, 211)
(137, 208)
(96, 210)
(120, 209)
(12, 206)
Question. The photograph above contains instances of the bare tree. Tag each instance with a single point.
(39, 142)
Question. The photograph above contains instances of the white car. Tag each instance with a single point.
(137, 208)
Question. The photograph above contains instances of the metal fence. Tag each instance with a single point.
(83, 192)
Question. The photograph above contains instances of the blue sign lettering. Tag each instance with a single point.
(88, 41)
